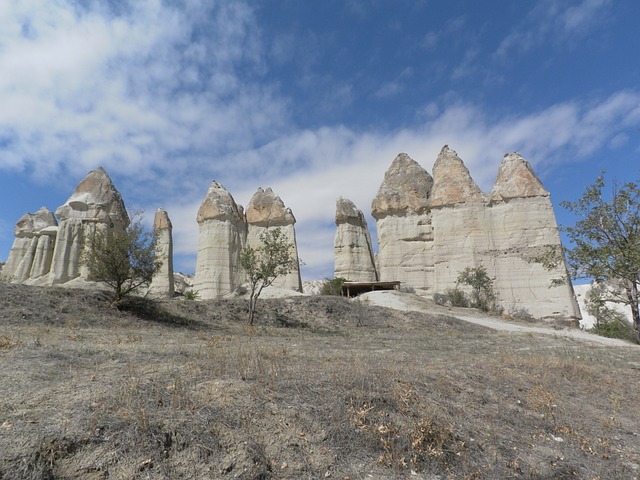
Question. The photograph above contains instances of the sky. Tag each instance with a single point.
(312, 98)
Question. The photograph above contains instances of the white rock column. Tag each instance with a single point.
(162, 284)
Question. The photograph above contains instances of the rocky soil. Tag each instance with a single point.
(321, 387)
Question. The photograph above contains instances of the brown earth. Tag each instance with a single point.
(322, 387)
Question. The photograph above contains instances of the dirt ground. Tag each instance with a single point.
(321, 387)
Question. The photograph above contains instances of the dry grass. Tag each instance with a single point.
(188, 390)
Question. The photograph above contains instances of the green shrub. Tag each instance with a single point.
(483, 295)
(457, 298)
(333, 286)
(191, 294)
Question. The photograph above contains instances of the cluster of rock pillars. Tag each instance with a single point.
(429, 228)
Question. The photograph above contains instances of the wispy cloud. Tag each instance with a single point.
(559, 23)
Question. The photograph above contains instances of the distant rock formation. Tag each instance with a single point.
(32, 250)
(162, 284)
(403, 223)
(220, 241)
(354, 259)
(430, 229)
(267, 210)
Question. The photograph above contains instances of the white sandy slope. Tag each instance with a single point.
(409, 302)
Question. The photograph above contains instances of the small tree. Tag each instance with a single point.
(606, 241)
(266, 263)
(482, 294)
(122, 258)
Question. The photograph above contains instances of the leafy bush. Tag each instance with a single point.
(457, 298)
(333, 286)
(483, 295)
(191, 294)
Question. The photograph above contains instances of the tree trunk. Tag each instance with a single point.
(632, 294)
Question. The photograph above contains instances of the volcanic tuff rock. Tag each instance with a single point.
(461, 227)
(267, 210)
(354, 259)
(94, 204)
(403, 222)
(222, 231)
(32, 249)
(163, 284)
(405, 189)
(452, 182)
(516, 179)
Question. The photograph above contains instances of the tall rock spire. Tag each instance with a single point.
(353, 254)
(267, 210)
(221, 237)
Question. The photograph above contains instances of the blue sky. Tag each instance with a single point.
(312, 98)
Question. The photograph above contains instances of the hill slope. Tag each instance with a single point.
(321, 388)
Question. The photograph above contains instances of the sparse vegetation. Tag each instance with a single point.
(122, 257)
(333, 286)
(482, 294)
(264, 264)
(191, 294)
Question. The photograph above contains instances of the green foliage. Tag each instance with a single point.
(333, 286)
(609, 322)
(122, 257)
(606, 240)
(264, 264)
(550, 259)
(191, 294)
(457, 298)
(482, 293)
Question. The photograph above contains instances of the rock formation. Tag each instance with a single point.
(32, 250)
(403, 223)
(222, 230)
(267, 210)
(354, 259)
(460, 221)
(163, 284)
(523, 227)
(95, 204)
(429, 230)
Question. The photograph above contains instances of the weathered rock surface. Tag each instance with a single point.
(32, 250)
(452, 182)
(222, 231)
(267, 210)
(163, 282)
(95, 204)
(353, 253)
(403, 222)
(516, 179)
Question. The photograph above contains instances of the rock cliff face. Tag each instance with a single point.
(163, 284)
(403, 223)
(523, 227)
(95, 204)
(267, 210)
(430, 229)
(353, 253)
(221, 239)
